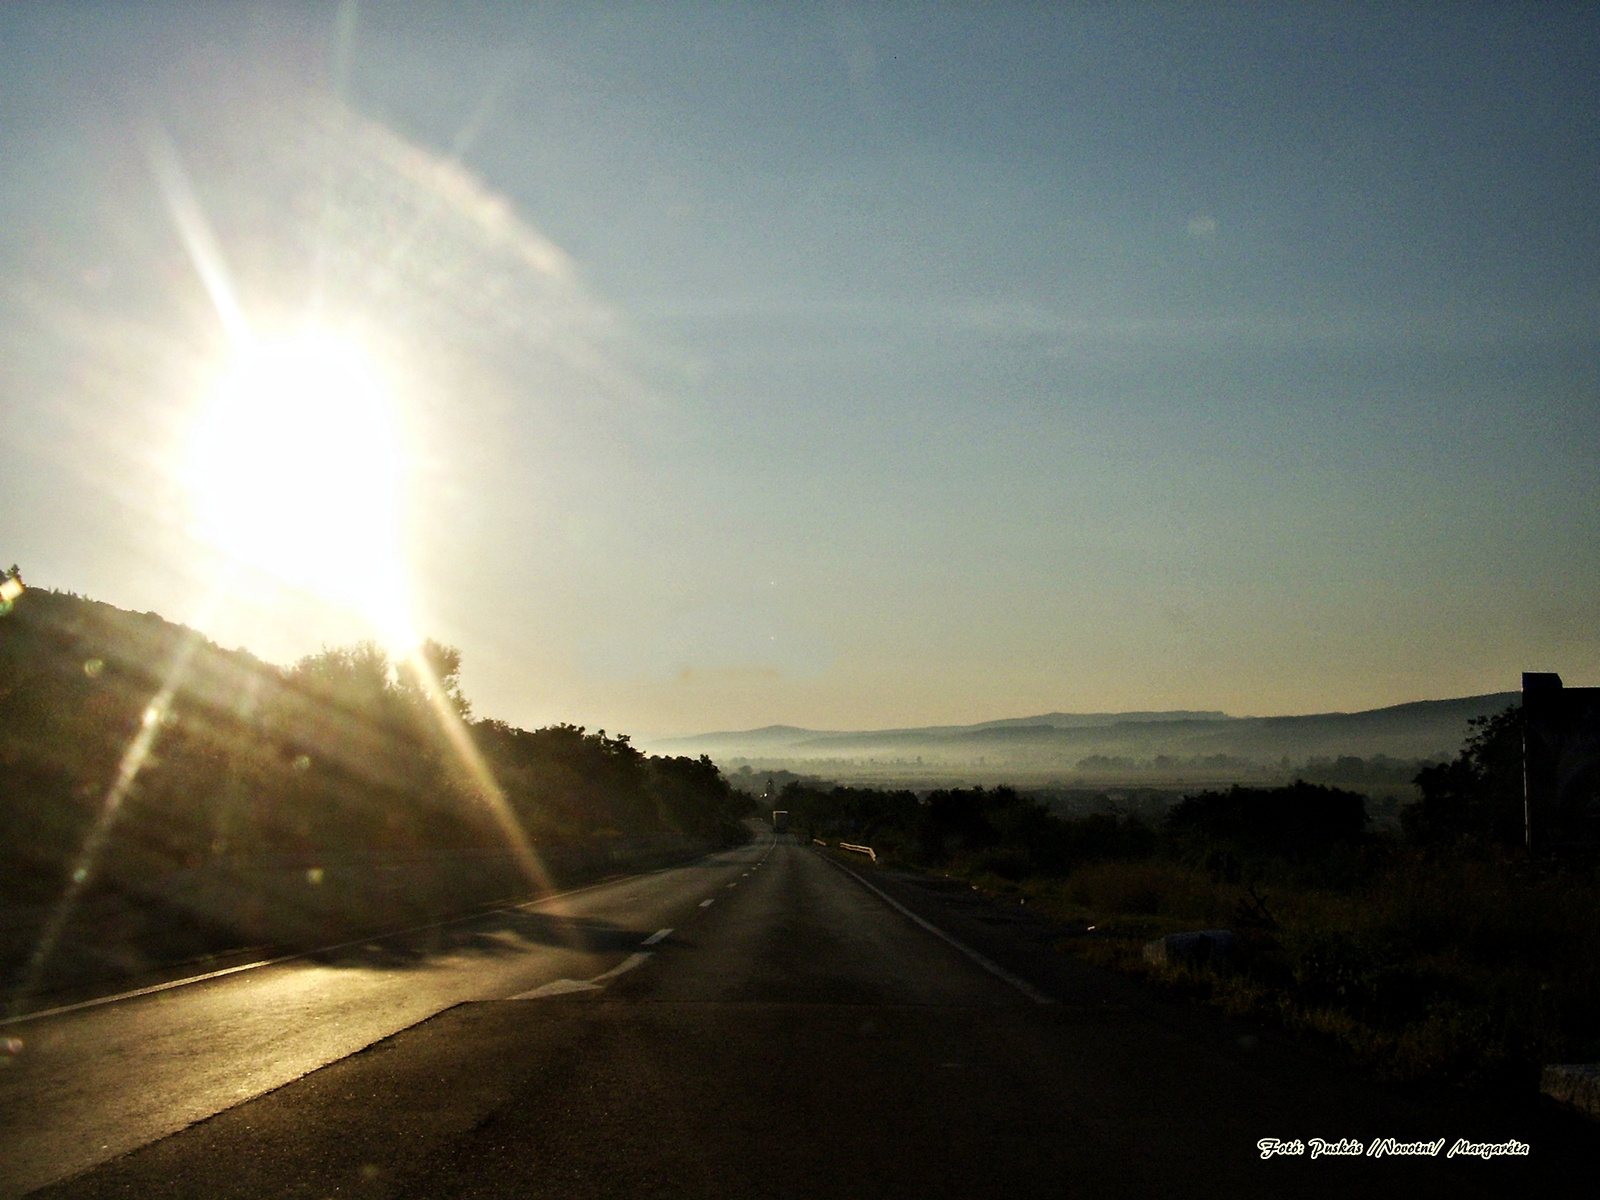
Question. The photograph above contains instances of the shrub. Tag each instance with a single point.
(1479, 793)
(1150, 887)
(1299, 822)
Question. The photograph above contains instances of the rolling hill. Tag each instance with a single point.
(1175, 746)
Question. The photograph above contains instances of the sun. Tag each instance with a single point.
(296, 469)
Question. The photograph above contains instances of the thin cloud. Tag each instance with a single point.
(464, 194)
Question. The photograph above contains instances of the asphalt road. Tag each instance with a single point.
(92, 1084)
(797, 1033)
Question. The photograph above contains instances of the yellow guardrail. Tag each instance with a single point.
(867, 850)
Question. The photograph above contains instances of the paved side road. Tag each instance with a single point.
(794, 1035)
(91, 1084)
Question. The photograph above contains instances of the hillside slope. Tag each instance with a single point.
(1112, 745)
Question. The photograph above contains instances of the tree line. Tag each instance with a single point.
(343, 753)
(1475, 798)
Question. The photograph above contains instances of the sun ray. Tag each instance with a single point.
(488, 791)
(202, 247)
(298, 463)
(199, 240)
(134, 757)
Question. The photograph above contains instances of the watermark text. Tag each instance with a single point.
(1388, 1148)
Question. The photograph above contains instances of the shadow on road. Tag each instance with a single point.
(493, 935)
(119, 938)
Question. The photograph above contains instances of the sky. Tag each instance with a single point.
(842, 366)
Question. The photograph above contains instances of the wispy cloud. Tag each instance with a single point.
(466, 196)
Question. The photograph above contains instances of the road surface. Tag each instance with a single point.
(766, 1022)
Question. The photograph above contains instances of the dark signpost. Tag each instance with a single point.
(1560, 765)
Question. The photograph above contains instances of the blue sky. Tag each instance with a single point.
(851, 366)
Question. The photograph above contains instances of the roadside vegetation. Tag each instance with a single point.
(284, 806)
(1438, 952)
(292, 806)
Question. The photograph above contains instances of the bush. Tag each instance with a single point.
(1479, 793)
(1300, 822)
(1008, 862)
(1150, 887)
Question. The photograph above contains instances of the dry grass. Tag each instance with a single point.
(1471, 967)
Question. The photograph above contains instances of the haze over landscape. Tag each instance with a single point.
(944, 592)
(1104, 748)
(705, 367)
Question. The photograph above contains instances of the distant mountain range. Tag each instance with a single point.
(1105, 746)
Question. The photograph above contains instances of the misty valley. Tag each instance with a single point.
(1380, 902)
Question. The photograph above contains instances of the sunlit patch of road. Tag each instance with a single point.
(90, 1084)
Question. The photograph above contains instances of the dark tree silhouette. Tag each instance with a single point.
(1479, 793)
(1301, 821)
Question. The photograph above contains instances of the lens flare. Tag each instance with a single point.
(479, 776)
(133, 760)
(295, 468)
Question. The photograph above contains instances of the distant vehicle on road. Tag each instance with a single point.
(780, 820)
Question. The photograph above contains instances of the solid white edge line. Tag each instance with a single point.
(153, 988)
(989, 965)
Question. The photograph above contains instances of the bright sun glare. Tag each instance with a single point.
(296, 468)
